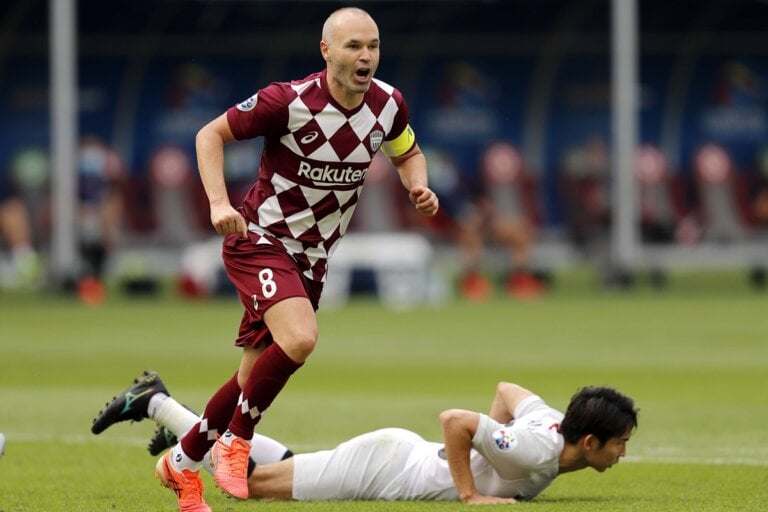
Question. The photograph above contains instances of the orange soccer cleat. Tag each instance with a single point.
(230, 462)
(185, 484)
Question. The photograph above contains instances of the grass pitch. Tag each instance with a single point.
(695, 358)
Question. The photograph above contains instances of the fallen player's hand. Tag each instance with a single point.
(479, 499)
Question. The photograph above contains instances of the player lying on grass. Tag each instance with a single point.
(510, 454)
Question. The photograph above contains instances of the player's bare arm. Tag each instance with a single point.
(209, 144)
(508, 396)
(412, 168)
(459, 427)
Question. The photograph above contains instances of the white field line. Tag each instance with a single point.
(741, 456)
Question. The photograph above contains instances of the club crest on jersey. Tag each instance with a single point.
(376, 138)
(504, 439)
(248, 104)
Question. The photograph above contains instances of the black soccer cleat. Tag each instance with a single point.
(161, 441)
(131, 404)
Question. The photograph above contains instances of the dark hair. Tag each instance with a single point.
(600, 411)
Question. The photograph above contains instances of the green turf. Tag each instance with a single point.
(694, 357)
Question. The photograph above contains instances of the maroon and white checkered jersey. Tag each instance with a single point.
(316, 155)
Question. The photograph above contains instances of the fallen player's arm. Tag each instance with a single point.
(508, 397)
(459, 427)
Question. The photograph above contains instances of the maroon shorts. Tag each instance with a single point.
(263, 275)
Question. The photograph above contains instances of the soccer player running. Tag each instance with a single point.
(510, 454)
(320, 134)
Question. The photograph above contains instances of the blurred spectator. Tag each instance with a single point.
(721, 197)
(586, 193)
(759, 206)
(450, 224)
(100, 212)
(660, 201)
(180, 210)
(445, 180)
(661, 209)
(193, 95)
(505, 213)
(380, 252)
(29, 181)
(466, 109)
(22, 266)
(180, 202)
(384, 208)
(241, 164)
(760, 192)
(23, 206)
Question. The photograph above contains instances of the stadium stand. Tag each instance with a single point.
(529, 73)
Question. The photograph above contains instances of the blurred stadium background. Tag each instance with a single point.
(106, 102)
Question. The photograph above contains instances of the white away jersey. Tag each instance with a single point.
(524, 454)
(316, 155)
(517, 461)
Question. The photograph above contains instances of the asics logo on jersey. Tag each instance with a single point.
(311, 136)
(330, 175)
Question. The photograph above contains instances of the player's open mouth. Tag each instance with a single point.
(362, 74)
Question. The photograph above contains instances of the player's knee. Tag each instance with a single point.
(305, 345)
(299, 346)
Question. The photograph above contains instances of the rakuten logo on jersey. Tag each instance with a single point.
(331, 175)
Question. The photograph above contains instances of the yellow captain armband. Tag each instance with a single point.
(401, 144)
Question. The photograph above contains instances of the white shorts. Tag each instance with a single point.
(358, 469)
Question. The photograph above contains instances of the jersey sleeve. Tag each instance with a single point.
(511, 450)
(528, 405)
(265, 113)
(401, 137)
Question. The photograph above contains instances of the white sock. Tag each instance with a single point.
(154, 404)
(227, 438)
(265, 450)
(174, 416)
(180, 460)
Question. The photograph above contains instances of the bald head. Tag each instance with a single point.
(334, 25)
(350, 47)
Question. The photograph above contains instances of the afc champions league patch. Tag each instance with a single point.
(248, 104)
(376, 138)
(504, 439)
